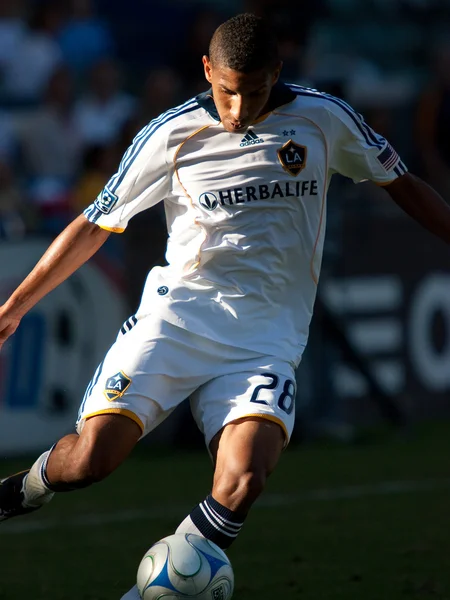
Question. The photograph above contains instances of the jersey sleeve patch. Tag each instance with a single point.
(388, 157)
(106, 201)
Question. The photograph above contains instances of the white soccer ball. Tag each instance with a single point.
(185, 565)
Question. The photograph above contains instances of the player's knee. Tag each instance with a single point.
(240, 490)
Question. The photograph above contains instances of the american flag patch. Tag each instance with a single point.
(388, 158)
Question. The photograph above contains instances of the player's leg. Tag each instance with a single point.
(245, 433)
(116, 410)
(75, 462)
(67, 464)
(245, 453)
(247, 417)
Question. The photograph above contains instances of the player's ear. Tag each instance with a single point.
(277, 72)
(208, 68)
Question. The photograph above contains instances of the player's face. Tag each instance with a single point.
(240, 98)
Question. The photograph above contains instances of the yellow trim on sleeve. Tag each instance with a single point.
(267, 418)
(117, 411)
(384, 183)
(113, 229)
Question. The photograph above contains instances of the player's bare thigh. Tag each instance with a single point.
(244, 452)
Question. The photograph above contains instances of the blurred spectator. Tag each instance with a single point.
(12, 31)
(37, 55)
(203, 23)
(12, 209)
(293, 22)
(433, 123)
(8, 138)
(105, 108)
(100, 162)
(162, 90)
(147, 34)
(424, 11)
(85, 39)
(50, 143)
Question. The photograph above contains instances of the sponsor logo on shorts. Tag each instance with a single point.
(116, 386)
(163, 290)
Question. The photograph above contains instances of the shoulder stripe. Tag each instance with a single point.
(400, 169)
(369, 135)
(92, 213)
(140, 135)
(142, 138)
(152, 123)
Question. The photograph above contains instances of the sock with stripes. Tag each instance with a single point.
(35, 489)
(213, 521)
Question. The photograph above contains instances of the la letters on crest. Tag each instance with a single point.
(292, 157)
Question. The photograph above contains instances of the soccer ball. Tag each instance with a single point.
(185, 565)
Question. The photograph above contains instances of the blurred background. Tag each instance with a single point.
(79, 78)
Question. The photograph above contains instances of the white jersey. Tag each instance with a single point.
(246, 213)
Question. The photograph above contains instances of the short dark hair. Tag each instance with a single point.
(245, 43)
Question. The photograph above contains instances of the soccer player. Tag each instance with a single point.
(243, 171)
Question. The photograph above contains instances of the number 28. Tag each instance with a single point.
(286, 401)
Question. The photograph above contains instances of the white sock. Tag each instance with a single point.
(133, 594)
(36, 493)
(187, 526)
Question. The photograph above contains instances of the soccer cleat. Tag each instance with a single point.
(12, 497)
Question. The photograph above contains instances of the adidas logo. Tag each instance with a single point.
(250, 139)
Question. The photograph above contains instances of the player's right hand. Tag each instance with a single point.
(8, 324)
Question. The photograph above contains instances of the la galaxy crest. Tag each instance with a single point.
(292, 157)
(116, 386)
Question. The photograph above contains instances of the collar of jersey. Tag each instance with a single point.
(279, 96)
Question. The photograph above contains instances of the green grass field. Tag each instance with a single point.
(365, 522)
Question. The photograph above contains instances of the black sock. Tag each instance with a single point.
(216, 522)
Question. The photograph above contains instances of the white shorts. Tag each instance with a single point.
(153, 366)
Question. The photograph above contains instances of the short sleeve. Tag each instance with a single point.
(142, 180)
(358, 152)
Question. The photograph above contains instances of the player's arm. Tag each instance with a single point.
(140, 182)
(422, 203)
(71, 249)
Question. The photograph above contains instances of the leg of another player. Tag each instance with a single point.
(245, 452)
(75, 462)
